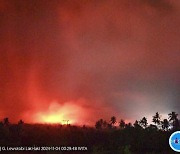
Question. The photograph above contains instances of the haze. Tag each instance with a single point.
(84, 60)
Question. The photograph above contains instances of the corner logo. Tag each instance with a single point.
(174, 141)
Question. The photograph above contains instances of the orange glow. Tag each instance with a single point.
(57, 113)
(52, 118)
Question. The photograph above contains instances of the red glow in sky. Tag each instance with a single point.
(84, 60)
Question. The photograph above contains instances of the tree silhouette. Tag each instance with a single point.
(165, 124)
(104, 124)
(21, 122)
(113, 120)
(173, 116)
(128, 125)
(156, 119)
(101, 121)
(6, 121)
(143, 122)
(125, 139)
(122, 124)
(137, 125)
(99, 124)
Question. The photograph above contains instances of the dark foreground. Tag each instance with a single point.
(73, 139)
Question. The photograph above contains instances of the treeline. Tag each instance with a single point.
(172, 123)
(107, 137)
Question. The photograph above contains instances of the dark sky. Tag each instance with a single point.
(86, 59)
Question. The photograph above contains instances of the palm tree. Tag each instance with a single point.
(122, 124)
(165, 124)
(156, 119)
(173, 116)
(143, 122)
(113, 120)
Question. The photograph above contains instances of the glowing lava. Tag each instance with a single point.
(57, 113)
(52, 118)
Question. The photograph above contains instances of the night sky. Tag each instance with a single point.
(81, 60)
